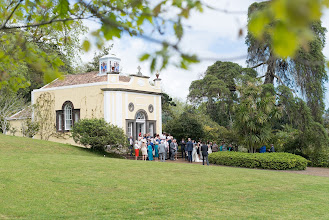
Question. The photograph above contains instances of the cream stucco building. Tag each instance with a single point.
(131, 102)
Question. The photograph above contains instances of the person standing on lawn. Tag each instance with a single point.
(131, 145)
(162, 151)
(204, 150)
(189, 146)
(215, 147)
(156, 150)
(150, 151)
(182, 145)
(172, 150)
(137, 147)
(144, 149)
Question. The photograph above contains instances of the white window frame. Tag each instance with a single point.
(68, 119)
(130, 129)
(60, 122)
(151, 129)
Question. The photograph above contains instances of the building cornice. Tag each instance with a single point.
(135, 75)
(71, 86)
(131, 90)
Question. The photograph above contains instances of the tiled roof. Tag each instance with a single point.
(83, 78)
(23, 114)
(124, 78)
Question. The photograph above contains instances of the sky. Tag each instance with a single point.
(212, 35)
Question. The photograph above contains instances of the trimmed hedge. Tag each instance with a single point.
(274, 161)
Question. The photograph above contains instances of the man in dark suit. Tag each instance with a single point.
(189, 146)
(131, 145)
(172, 149)
(204, 150)
(182, 147)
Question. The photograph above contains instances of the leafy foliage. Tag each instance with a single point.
(274, 161)
(94, 64)
(286, 23)
(254, 113)
(290, 50)
(310, 135)
(185, 126)
(217, 89)
(30, 128)
(96, 133)
(166, 104)
(24, 24)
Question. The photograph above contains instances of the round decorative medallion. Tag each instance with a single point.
(131, 106)
(141, 82)
(151, 108)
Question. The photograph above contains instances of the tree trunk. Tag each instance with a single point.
(269, 76)
(4, 126)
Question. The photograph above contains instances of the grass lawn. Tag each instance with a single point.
(46, 180)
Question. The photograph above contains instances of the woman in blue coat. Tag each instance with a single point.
(156, 149)
(150, 151)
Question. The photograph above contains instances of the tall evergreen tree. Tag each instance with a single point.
(305, 72)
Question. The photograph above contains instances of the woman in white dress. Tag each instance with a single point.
(209, 149)
(195, 156)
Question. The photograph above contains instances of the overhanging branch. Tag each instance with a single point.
(258, 65)
(45, 23)
(11, 14)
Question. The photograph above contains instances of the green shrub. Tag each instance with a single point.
(30, 128)
(274, 161)
(97, 133)
(319, 158)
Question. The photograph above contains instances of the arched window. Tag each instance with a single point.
(66, 117)
(140, 115)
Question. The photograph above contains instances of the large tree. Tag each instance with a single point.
(217, 89)
(304, 71)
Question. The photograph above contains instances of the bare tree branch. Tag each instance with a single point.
(258, 65)
(261, 77)
(46, 22)
(11, 14)
(279, 79)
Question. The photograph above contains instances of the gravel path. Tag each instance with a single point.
(314, 171)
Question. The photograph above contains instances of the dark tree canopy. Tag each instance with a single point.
(217, 89)
(185, 126)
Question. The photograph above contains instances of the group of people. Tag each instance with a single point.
(191, 151)
(159, 147)
(263, 149)
(164, 146)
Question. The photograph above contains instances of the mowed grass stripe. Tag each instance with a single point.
(40, 179)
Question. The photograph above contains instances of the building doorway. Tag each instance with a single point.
(140, 124)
